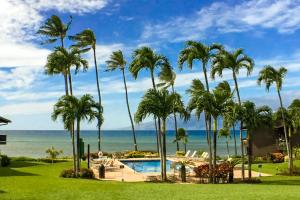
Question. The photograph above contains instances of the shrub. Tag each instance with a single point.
(23, 158)
(285, 172)
(84, 173)
(135, 154)
(250, 181)
(262, 159)
(180, 153)
(277, 157)
(5, 160)
(68, 173)
(202, 171)
(200, 152)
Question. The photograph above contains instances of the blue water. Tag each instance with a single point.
(146, 166)
(34, 143)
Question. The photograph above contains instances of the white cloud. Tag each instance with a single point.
(224, 17)
(29, 108)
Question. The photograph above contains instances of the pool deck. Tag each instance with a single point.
(126, 174)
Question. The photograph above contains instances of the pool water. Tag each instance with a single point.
(146, 165)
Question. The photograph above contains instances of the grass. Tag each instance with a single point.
(37, 180)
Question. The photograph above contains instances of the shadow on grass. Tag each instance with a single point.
(2, 192)
(20, 164)
(5, 172)
(293, 180)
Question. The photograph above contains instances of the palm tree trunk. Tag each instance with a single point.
(249, 154)
(175, 122)
(234, 135)
(99, 98)
(129, 113)
(290, 167)
(241, 127)
(78, 146)
(160, 150)
(227, 145)
(215, 149)
(70, 81)
(155, 119)
(164, 151)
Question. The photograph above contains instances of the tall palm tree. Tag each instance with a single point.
(225, 132)
(167, 77)
(117, 61)
(213, 103)
(69, 58)
(254, 117)
(73, 109)
(146, 58)
(86, 40)
(161, 104)
(269, 75)
(230, 118)
(199, 51)
(54, 29)
(234, 61)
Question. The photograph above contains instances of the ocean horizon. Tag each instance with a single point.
(33, 143)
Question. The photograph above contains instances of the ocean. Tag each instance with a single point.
(33, 143)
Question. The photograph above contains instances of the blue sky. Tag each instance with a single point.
(267, 30)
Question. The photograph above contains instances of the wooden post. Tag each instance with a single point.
(88, 156)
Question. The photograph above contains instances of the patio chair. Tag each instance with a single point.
(187, 153)
(194, 154)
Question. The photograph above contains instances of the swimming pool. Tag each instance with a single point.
(144, 166)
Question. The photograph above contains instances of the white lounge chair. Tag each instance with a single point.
(194, 154)
(187, 153)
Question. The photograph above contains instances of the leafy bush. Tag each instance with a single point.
(23, 158)
(277, 157)
(262, 159)
(202, 171)
(296, 151)
(84, 173)
(200, 152)
(135, 154)
(180, 153)
(5, 160)
(250, 181)
(285, 172)
(49, 160)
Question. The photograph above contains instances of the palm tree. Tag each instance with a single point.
(225, 132)
(254, 118)
(182, 136)
(86, 40)
(73, 109)
(146, 58)
(59, 62)
(71, 57)
(213, 103)
(198, 51)
(269, 76)
(167, 77)
(54, 29)
(234, 61)
(117, 61)
(230, 118)
(162, 104)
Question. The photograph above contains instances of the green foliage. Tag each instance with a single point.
(53, 153)
(4, 160)
(139, 154)
(68, 173)
(180, 153)
(269, 75)
(83, 173)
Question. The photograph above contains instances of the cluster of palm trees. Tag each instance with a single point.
(162, 101)
(61, 62)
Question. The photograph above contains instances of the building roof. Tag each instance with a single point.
(4, 121)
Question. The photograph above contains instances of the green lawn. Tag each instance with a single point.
(31, 180)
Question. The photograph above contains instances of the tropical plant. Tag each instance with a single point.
(225, 132)
(86, 40)
(53, 153)
(182, 136)
(234, 61)
(253, 118)
(146, 58)
(167, 77)
(199, 51)
(230, 118)
(212, 103)
(162, 104)
(73, 109)
(269, 75)
(183, 164)
(54, 29)
(117, 61)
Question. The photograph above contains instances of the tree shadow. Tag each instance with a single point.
(5, 172)
(283, 181)
(2, 192)
(20, 164)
